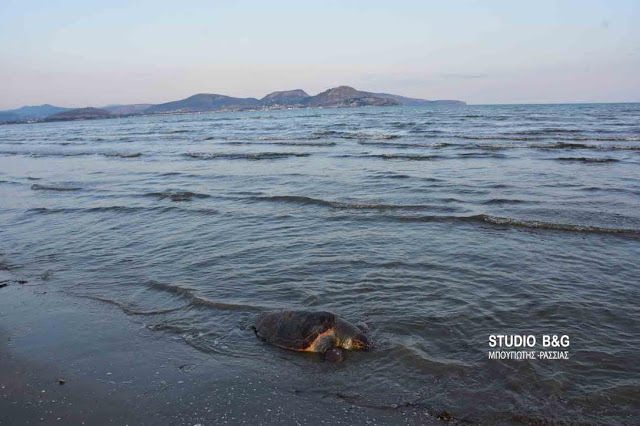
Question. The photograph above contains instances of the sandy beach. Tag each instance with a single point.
(73, 361)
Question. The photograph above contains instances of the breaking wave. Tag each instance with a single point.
(587, 159)
(480, 218)
(392, 175)
(566, 145)
(532, 137)
(177, 195)
(38, 187)
(407, 157)
(528, 224)
(500, 201)
(244, 156)
(193, 299)
(314, 144)
(118, 155)
(407, 145)
(121, 209)
(297, 199)
(36, 154)
(349, 135)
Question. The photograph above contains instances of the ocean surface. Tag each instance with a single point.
(435, 227)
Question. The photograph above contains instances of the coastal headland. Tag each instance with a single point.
(337, 97)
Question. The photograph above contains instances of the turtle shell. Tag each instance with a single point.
(296, 330)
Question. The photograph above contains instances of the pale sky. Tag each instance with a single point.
(92, 53)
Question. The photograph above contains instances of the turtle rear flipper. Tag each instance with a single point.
(255, 330)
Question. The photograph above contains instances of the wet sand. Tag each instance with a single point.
(116, 371)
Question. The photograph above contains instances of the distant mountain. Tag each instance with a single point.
(204, 102)
(285, 98)
(365, 101)
(127, 109)
(8, 117)
(403, 100)
(80, 114)
(35, 112)
(344, 96)
(338, 96)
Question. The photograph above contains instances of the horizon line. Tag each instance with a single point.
(433, 100)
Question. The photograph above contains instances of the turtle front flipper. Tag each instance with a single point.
(335, 355)
(323, 342)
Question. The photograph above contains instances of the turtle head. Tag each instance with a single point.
(350, 337)
(359, 342)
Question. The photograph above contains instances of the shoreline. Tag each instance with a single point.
(78, 361)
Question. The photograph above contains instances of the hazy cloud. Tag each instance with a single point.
(464, 76)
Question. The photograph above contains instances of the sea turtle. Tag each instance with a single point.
(306, 331)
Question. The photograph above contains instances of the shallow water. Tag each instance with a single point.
(435, 227)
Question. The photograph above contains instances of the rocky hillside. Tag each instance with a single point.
(127, 109)
(80, 114)
(204, 102)
(365, 101)
(285, 98)
(337, 96)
